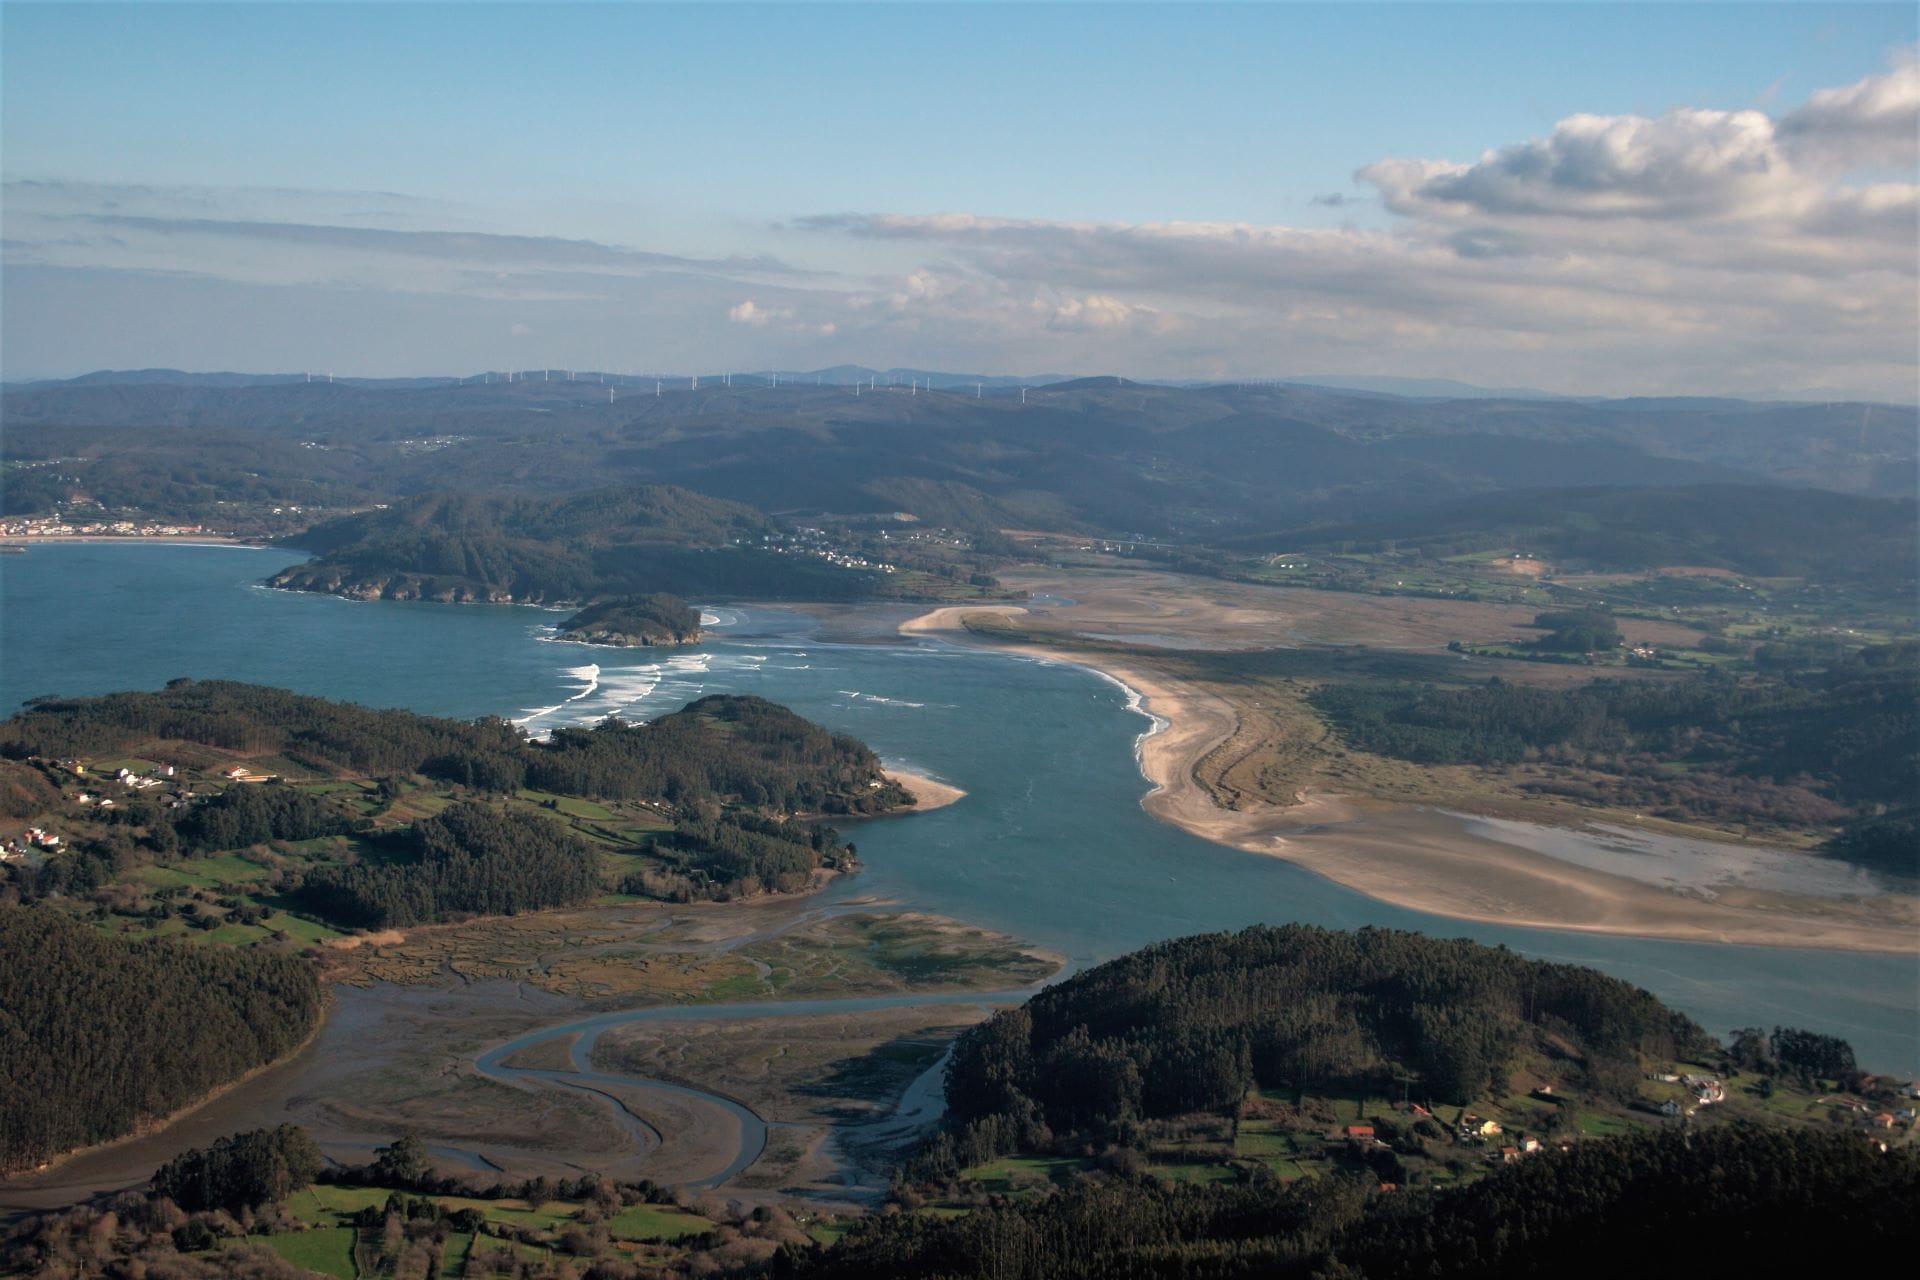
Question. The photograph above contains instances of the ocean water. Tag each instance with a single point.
(1050, 843)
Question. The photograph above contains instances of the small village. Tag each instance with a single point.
(95, 792)
(57, 526)
(815, 542)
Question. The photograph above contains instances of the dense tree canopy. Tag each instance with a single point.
(242, 1171)
(1577, 630)
(1803, 749)
(1722, 1204)
(635, 620)
(613, 542)
(468, 859)
(98, 1036)
(727, 748)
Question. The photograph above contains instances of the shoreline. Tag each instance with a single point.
(1410, 857)
(928, 793)
(136, 539)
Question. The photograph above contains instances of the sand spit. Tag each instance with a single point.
(1422, 859)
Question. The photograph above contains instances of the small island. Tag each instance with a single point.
(635, 622)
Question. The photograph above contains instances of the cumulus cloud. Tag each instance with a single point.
(1696, 249)
(1875, 121)
(1688, 164)
(1683, 164)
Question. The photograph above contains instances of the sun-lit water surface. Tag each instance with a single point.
(1050, 843)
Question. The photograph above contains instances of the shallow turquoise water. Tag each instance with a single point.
(1050, 843)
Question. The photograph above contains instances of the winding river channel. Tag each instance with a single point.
(1049, 845)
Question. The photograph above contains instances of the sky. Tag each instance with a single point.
(1613, 199)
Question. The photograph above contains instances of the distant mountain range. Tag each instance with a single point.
(847, 375)
(1103, 455)
(841, 375)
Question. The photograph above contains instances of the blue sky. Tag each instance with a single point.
(721, 133)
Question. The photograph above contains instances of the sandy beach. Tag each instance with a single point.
(928, 793)
(1425, 860)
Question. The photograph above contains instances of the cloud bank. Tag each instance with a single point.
(1695, 250)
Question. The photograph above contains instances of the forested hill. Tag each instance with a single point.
(612, 542)
(1724, 1204)
(1801, 750)
(1132, 1062)
(1194, 1023)
(1764, 530)
(722, 749)
(99, 1036)
(649, 513)
(633, 621)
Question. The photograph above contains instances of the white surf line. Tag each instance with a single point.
(590, 673)
(1138, 704)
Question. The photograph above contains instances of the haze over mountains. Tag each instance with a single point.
(1092, 455)
(844, 375)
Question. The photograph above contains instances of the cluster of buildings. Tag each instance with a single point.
(814, 542)
(1873, 1118)
(1480, 1131)
(57, 526)
(16, 849)
(39, 839)
(131, 780)
(1706, 1092)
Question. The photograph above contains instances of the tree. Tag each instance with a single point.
(241, 1172)
(401, 1163)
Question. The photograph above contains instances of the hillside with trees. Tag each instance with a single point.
(584, 547)
(1768, 531)
(634, 622)
(1195, 1023)
(1101, 455)
(722, 748)
(469, 859)
(1724, 1204)
(365, 818)
(99, 1036)
(1800, 749)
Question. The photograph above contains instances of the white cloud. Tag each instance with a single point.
(1694, 250)
(1697, 249)
(1683, 164)
(749, 312)
(1875, 121)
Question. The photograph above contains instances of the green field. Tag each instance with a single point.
(202, 873)
(324, 1206)
(327, 1250)
(655, 1222)
(1195, 1173)
(1015, 1173)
